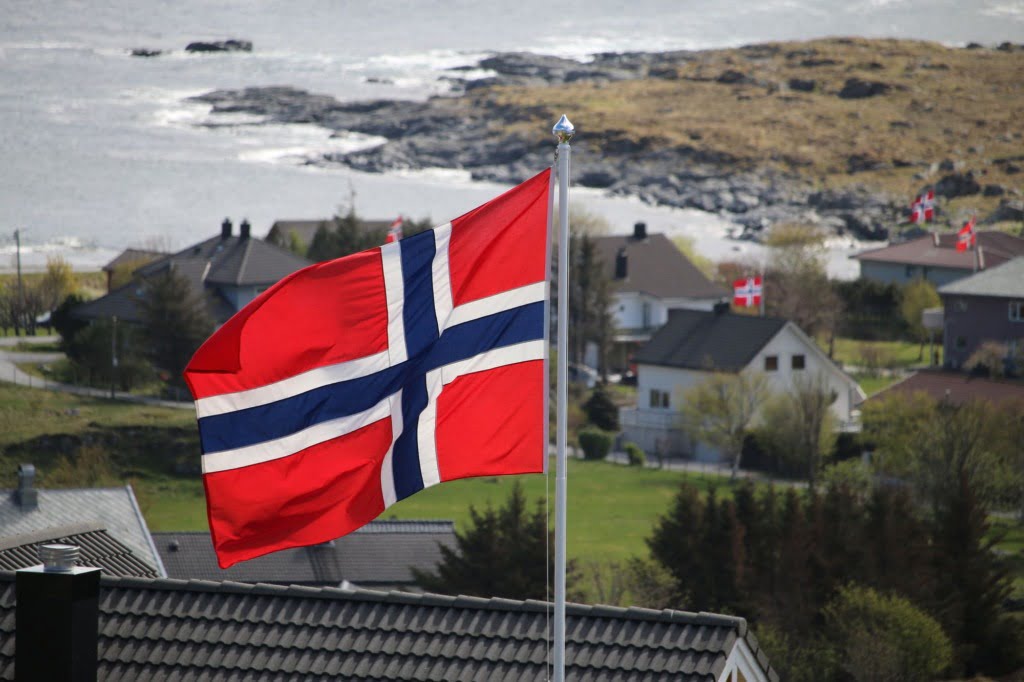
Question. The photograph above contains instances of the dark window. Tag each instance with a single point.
(771, 363)
(1016, 311)
(798, 362)
(910, 270)
(659, 398)
(961, 342)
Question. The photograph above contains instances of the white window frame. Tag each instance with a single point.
(1016, 311)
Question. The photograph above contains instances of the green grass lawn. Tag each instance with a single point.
(887, 354)
(872, 384)
(1012, 544)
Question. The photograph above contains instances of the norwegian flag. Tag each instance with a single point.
(746, 292)
(353, 384)
(394, 231)
(923, 207)
(966, 237)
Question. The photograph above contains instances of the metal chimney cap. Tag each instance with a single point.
(58, 558)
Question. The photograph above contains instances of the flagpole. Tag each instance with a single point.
(563, 131)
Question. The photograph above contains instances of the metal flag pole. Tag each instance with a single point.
(563, 131)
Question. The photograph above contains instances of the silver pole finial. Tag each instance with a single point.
(58, 558)
(563, 130)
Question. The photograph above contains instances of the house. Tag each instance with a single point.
(934, 258)
(695, 343)
(380, 556)
(129, 258)
(27, 514)
(283, 232)
(159, 629)
(649, 276)
(954, 387)
(987, 306)
(227, 271)
(98, 548)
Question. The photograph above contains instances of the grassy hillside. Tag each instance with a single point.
(778, 105)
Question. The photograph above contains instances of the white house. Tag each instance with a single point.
(693, 344)
(649, 277)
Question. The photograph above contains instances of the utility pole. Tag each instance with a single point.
(113, 358)
(21, 290)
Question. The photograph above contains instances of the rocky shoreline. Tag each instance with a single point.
(468, 129)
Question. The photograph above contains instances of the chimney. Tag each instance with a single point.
(621, 264)
(27, 496)
(244, 229)
(721, 307)
(57, 618)
(640, 231)
(225, 228)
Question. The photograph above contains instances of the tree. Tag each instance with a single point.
(175, 322)
(800, 422)
(918, 296)
(601, 410)
(503, 553)
(989, 359)
(796, 284)
(57, 283)
(590, 318)
(885, 637)
(719, 410)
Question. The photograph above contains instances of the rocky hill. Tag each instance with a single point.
(843, 132)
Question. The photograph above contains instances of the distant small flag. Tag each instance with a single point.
(394, 231)
(923, 207)
(746, 292)
(966, 237)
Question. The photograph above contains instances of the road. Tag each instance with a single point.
(10, 373)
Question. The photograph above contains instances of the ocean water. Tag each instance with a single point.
(100, 150)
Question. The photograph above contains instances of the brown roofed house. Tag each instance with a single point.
(934, 258)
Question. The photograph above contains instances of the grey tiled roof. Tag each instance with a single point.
(208, 265)
(1002, 281)
(97, 547)
(113, 509)
(378, 554)
(175, 630)
(655, 266)
(139, 256)
(695, 339)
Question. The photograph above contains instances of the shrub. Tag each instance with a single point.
(637, 458)
(595, 444)
(886, 637)
(601, 411)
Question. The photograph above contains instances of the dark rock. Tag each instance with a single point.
(732, 77)
(1008, 209)
(858, 163)
(957, 185)
(145, 52)
(974, 46)
(813, 62)
(601, 179)
(802, 84)
(856, 88)
(993, 191)
(1011, 169)
(1006, 47)
(231, 45)
(906, 125)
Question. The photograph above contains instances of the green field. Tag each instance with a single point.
(888, 354)
(611, 508)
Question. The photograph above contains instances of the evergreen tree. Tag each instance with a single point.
(676, 540)
(590, 318)
(601, 411)
(175, 322)
(501, 554)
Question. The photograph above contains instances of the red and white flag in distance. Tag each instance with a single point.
(746, 292)
(966, 237)
(394, 230)
(923, 207)
(352, 384)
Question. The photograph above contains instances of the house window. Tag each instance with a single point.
(798, 362)
(910, 270)
(1016, 311)
(659, 399)
(961, 342)
(771, 363)
(960, 305)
